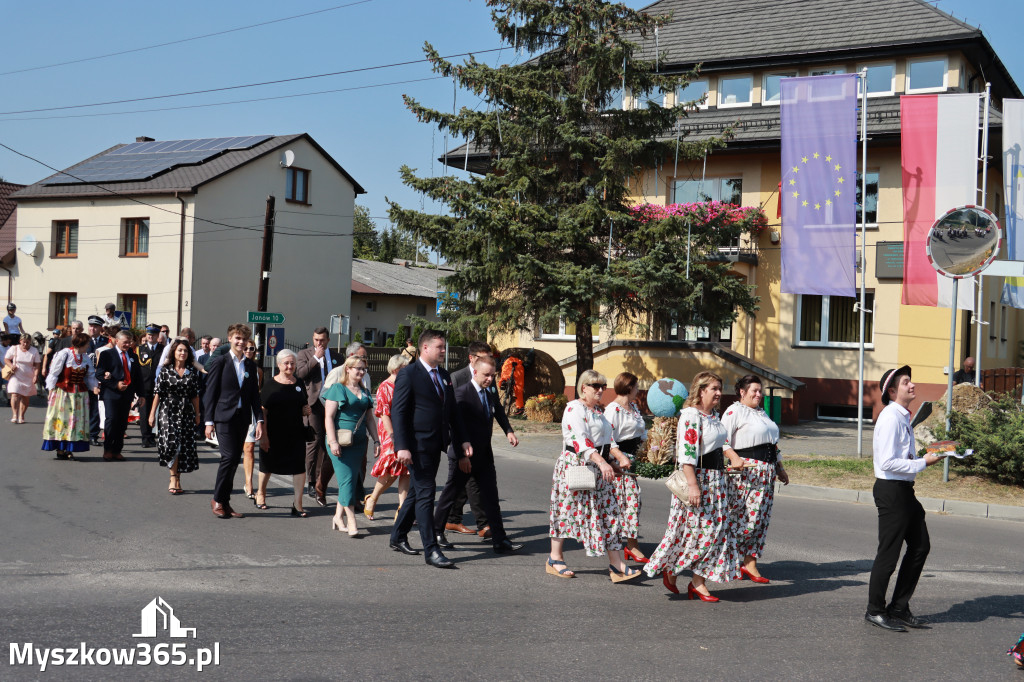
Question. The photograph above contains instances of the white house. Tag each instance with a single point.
(386, 296)
(172, 231)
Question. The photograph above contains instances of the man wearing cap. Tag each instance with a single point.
(96, 341)
(148, 353)
(900, 515)
(111, 318)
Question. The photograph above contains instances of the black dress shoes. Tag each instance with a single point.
(442, 542)
(507, 547)
(883, 621)
(438, 560)
(905, 617)
(404, 547)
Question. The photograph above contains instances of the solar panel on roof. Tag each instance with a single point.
(144, 160)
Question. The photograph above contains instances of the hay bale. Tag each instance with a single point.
(660, 447)
(545, 408)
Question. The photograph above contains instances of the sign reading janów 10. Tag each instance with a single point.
(256, 317)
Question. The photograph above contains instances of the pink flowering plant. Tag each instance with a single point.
(713, 214)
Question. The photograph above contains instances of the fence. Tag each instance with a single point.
(378, 357)
(1003, 380)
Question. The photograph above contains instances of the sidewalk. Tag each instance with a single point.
(808, 438)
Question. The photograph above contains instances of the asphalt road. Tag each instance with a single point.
(87, 544)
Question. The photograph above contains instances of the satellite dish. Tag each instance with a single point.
(287, 158)
(28, 245)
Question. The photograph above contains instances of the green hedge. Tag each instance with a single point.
(997, 436)
(648, 470)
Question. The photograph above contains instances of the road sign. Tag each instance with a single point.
(124, 318)
(339, 324)
(275, 340)
(256, 317)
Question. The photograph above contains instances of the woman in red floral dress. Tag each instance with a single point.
(701, 533)
(387, 469)
(590, 517)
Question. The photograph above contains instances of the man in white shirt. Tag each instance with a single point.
(900, 515)
(204, 348)
(111, 318)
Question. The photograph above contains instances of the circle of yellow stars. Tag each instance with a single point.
(833, 167)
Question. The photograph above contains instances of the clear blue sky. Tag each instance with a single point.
(368, 130)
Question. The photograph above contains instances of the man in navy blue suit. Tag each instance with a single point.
(231, 401)
(425, 421)
(120, 381)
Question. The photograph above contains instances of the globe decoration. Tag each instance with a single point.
(665, 397)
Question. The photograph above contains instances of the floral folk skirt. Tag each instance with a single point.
(627, 494)
(753, 495)
(702, 538)
(67, 421)
(591, 517)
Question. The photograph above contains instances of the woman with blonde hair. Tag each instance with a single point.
(347, 407)
(387, 469)
(24, 363)
(590, 517)
(700, 534)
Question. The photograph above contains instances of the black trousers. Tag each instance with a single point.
(419, 505)
(231, 437)
(482, 472)
(145, 430)
(900, 519)
(115, 422)
(319, 469)
(94, 416)
(470, 492)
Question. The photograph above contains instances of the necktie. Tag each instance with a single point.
(483, 400)
(437, 383)
(127, 370)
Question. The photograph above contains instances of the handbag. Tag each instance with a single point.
(676, 482)
(345, 435)
(580, 477)
(8, 372)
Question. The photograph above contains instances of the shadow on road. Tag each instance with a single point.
(982, 608)
(801, 577)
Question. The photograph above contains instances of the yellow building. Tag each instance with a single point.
(807, 346)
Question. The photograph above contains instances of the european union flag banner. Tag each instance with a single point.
(1013, 190)
(819, 185)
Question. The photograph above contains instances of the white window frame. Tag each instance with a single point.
(561, 335)
(735, 105)
(764, 86)
(707, 93)
(869, 344)
(636, 100)
(892, 81)
(945, 75)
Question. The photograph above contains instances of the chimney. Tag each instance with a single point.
(143, 138)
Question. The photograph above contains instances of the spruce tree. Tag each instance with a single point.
(530, 237)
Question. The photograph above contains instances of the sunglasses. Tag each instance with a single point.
(598, 387)
(250, 350)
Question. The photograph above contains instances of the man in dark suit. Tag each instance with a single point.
(120, 381)
(312, 366)
(477, 349)
(477, 407)
(425, 421)
(148, 353)
(231, 401)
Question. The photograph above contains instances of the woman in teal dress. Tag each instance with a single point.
(348, 406)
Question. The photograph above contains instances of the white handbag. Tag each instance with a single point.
(581, 477)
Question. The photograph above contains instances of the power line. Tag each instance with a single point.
(184, 40)
(247, 85)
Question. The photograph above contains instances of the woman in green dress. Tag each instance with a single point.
(348, 406)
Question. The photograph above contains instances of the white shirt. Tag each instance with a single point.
(627, 422)
(325, 366)
(585, 430)
(698, 434)
(894, 446)
(748, 427)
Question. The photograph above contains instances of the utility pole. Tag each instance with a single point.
(266, 263)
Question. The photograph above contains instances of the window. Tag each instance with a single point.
(136, 237)
(926, 75)
(1002, 323)
(829, 71)
(369, 335)
(134, 304)
(65, 308)
(872, 205)
(832, 321)
(644, 100)
(694, 91)
(881, 79)
(421, 309)
(729, 190)
(735, 92)
(297, 185)
(371, 306)
(615, 99)
(563, 329)
(65, 238)
(771, 89)
(991, 320)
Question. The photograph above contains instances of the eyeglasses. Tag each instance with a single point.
(250, 350)
(598, 387)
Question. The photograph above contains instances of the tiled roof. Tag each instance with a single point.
(8, 218)
(183, 179)
(752, 30)
(396, 279)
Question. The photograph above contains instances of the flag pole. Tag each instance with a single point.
(982, 201)
(863, 251)
(954, 309)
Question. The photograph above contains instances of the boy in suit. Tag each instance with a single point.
(120, 381)
(478, 410)
(231, 401)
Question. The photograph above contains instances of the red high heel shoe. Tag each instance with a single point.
(691, 591)
(747, 575)
(668, 585)
(634, 557)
